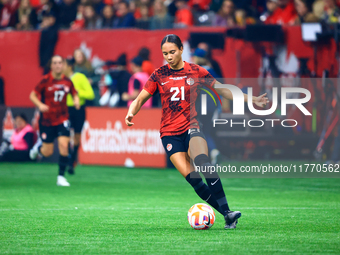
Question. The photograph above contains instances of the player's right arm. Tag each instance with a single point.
(136, 105)
(41, 106)
(35, 99)
(149, 89)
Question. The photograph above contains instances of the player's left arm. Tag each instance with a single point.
(260, 101)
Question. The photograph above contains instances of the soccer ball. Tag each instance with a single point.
(201, 216)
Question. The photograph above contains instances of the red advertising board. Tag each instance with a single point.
(106, 140)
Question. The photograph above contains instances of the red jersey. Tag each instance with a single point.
(179, 90)
(53, 93)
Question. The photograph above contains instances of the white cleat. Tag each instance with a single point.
(34, 152)
(61, 181)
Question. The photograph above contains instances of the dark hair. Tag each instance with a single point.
(144, 53)
(50, 61)
(70, 62)
(22, 116)
(125, 3)
(172, 39)
(138, 61)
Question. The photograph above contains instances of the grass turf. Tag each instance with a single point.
(141, 211)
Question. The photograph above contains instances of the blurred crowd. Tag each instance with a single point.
(161, 14)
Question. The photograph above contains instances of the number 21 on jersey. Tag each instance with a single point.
(177, 91)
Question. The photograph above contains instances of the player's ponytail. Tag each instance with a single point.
(172, 38)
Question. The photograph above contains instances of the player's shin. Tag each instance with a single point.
(63, 161)
(202, 190)
(213, 181)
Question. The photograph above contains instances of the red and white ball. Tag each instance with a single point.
(201, 216)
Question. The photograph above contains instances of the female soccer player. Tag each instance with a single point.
(77, 116)
(53, 122)
(180, 132)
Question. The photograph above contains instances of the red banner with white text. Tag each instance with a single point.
(106, 140)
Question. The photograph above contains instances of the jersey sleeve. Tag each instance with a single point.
(151, 85)
(40, 87)
(205, 77)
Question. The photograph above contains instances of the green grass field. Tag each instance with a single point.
(140, 211)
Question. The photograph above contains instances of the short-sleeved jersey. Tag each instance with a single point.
(53, 93)
(178, 90)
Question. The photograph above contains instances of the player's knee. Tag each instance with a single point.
(76, 140)
(63, 149)
(47, 152)
(202, 161)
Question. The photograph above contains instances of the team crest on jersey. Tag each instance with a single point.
(43, 136)
(190, 81)
(66, 89)
(169, 147)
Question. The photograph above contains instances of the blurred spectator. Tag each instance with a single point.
(147, 66)
(242, 19)
(35, 3)
(92, 20)
(215, 5)
(136, 82)
(144, 21)
(271, 7)
(79, 23)
(161, 18)
(22, 140)
(284, 14)
(48, 40)
(331, 13)
(304, 9)
(120, 79)
(8, 13)
(137, 9)
(24, 23)
(98, 6)
(115, 4)
(214, 64)
(200, 58)
(183, 16)
(82, 65)
(67, 13)
(108, 17)
(26, 16)
(226, 15)
(202, 5)
(47, 7)
(124, 17)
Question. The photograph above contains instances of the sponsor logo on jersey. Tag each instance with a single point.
(169, 147)
(190, 81)
(178, 78)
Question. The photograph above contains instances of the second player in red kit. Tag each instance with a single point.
(53, 122)
(178, 83)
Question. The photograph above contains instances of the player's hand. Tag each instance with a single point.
(128, 119)
(262, 100)
(76, 102)
(44, 108)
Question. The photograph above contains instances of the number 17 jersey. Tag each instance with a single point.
(178, 90)
(53, 93)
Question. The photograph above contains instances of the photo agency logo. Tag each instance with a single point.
(239, 100)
